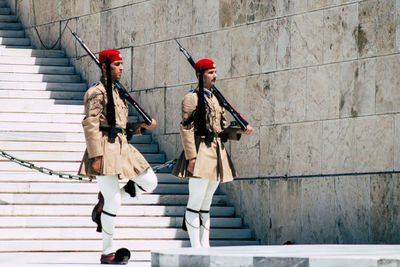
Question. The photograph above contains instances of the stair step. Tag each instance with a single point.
(145, 199)
(84, 210)
(59, 137)
(43, 187)
(120, 233)
(57, 156)
(42, 118)
(33, 69)
(166, 178)
(64, 147)
(35, 61)
(44, 86)
(8, 18)
(95, 245)
(25, 94)
(12, 34)
(5, 11)
(14, 41)
(123, 221)
(40, 106)
(10, 25)
(3, 3)
(41, 127)
(15, 52)
(55, 78)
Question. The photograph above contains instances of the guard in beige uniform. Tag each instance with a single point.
(204, 161)
(108, 156)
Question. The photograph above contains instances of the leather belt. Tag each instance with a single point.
(107, 129)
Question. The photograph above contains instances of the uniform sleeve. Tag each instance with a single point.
(189, 104)
(137, 128)
(229, 132)
(91, 123)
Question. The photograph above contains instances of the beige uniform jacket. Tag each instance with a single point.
(212, 160)
(119, 157)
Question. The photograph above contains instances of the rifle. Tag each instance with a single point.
(221, 99)
(121, 89)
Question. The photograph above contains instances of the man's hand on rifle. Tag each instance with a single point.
(151, 126)
(248, 131)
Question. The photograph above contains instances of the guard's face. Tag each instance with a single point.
(116, 69)
(209, 77)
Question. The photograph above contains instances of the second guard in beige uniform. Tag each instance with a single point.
(204, 161)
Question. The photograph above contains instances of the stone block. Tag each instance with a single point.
(370, 131)
(205, 16)
(39, 6)
(143, 67)
(232, 191)
(196, 47)
(305, 148)
(123, 3)
(246, 38)
(126, 78)
(338, 151)
(255, 201)
(376, 32)
(357, 87)
(289, 92)
(25, 11)
(160, 12)
(396, 145)
(318, 211)
(88, 29)
(99, 5)
(383, 209)
(274, 150)
(318, 4)
(153, 103)
(141, 23)
(111, 35)
(173, 100)
(323, 92)
(288, 7)
(285, 211)
(352, 209)
(306, 40)
(48, 35)
(219, 49)
(231, 13)
(260, 10)
(251, 97)
(166, 60)
(339, 26)
(245, 154)
(80, 8)
(387, 84)
(168, 144)
(68, 41)
(275, 44)
(179, 18)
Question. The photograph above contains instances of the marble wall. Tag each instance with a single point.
(317, 79)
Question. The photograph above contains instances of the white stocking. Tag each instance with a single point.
(109, 187)
(205, 214)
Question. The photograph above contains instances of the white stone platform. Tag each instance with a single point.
(60, 259)
(286, 255)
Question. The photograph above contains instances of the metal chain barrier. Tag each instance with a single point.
(62, 175)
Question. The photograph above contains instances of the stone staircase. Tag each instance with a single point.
(40, 121)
